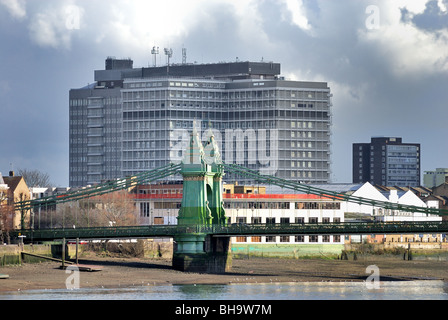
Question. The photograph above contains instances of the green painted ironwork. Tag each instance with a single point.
(202, 202)
(100, 189)
(287, 184)
(234, 230)
(171, 169)
(202, 211)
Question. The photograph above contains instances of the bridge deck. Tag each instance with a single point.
(234, 230)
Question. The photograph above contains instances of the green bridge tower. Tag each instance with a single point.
(202, 204)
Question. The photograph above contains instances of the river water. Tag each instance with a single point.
(394, 290)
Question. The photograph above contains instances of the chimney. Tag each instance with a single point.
(393, 197)
(11, 173)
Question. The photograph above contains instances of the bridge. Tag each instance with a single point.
(233, 230)
(202, 234)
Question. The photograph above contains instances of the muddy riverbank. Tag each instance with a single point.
(129, 272)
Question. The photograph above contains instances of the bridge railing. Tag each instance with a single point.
(325, 228)
(155, 231)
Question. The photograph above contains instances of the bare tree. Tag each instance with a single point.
(117, 209)
(114, 209)
(6, 215)
(35, 178)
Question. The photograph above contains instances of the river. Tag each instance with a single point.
(393, 290)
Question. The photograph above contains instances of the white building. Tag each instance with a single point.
(283, 208)
(3, 185)
(37, 192)
(368, 191)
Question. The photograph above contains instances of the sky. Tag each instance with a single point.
(386, 63)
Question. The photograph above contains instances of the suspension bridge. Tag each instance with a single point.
(202, 234)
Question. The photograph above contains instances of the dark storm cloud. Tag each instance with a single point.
(432, 19)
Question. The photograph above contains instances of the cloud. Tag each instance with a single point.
(136, 28)
(384, 82)
(53, 26)
(16, 8)
(298, 14)
(435, 16)
(408, 49)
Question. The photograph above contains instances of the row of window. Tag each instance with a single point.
(286, 220)
(289, 239)
(191, 90)
(256, 205)
(282, 205)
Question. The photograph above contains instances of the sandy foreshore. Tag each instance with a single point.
(129, 272)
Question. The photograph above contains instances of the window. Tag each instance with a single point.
(270, 238)
(158, 220)
(284, 238)
(312, 220)
(256, 220)
(325, 238)
(256, 239)
(270, 220)
(241, 220)
(284, 220)
(314, 238)
(299, 220)
(241, 239)
(299, 239)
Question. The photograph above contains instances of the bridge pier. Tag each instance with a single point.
(202, 253)
(202, 205)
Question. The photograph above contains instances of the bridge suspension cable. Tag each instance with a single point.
(292, 185)
(171, 169)
(103, 188)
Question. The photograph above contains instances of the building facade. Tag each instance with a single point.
(159, 204)
(137, 119)
(435, 178)
(16, 191)
(387, 162)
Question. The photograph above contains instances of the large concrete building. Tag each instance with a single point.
(137, 119)
(435, 178)
(387, 161)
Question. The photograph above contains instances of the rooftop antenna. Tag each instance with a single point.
(155, 52)
(169, 54)
(184, 55)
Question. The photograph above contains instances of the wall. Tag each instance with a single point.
(158, 249)
(10, 254)
(285, 250)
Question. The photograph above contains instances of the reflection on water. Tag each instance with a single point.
(397, 290)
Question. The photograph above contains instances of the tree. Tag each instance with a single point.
(114, 209)
(6, 215)
(35, 178)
